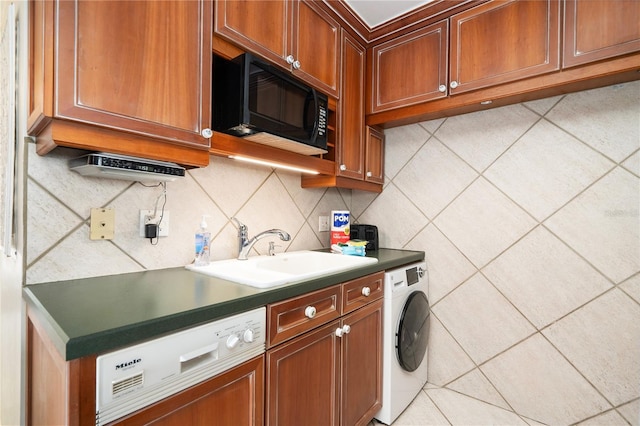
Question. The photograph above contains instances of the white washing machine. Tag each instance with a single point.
(406, 335)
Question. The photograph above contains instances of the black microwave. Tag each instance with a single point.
(261, 103)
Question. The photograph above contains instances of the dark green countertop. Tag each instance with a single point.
(95, 315)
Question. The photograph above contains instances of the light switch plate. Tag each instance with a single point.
(103, 223)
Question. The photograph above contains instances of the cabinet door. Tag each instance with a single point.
(409, 69)
(375, 156)
(315, 44)
(350, 144)
(303, 380)
(232, 398)
(362, 365)
(262, 27)
(136, 66)
(600, 29)
(502, 41)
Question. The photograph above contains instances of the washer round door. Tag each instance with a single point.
(413, 331)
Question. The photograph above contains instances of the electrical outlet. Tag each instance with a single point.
(146, 217)
(323, 224)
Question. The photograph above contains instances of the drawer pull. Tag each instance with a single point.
(366, 291)
(341, 331)
(310, 312)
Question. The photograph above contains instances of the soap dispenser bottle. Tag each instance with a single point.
(203, 241)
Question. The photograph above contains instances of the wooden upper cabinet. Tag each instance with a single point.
(409, 69)
(134, 73)
(316, 46)
(502, 41)
(374, 164)
(141, 67)
(600, 29)
(294, 34)
(263, 27)
(351, 146)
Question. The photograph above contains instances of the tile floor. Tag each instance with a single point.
(435, 406)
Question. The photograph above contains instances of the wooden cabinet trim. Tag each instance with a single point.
(88, 137)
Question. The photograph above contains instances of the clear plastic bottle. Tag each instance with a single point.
(203, 242)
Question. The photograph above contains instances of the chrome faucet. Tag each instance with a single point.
(245, 244)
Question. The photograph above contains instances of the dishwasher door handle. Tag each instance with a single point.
(199, 352)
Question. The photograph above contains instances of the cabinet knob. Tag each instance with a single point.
(366, 291)
(310, 312)
(206, 133)
(341, 331)
(369, 174)
(296, 65)
(442, 88)
(290, 59)
(453, 84)
(343, 167)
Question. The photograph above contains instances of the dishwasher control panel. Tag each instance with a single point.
(134, 377)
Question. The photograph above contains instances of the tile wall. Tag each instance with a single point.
(529, 216)
(530, 219)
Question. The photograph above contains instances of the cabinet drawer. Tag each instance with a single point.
(362, 291)
(295, 316)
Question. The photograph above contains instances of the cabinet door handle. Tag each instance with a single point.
(343, 167)
(206, 133)
(310, 312)
(341, 331)
(442, 88)
(453, 84)
(290, 59)
(296, 65)
(366, 291)
(369, 174)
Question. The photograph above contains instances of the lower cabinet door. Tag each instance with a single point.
(362, 365)
(232, 398)
(303, 380)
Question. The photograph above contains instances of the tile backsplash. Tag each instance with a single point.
(528, 214)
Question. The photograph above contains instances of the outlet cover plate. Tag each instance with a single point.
(146, 217)
(323, 224)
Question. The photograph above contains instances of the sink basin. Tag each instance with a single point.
(284, 268)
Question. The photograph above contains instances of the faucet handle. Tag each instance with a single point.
(272, 248)
(241, 226)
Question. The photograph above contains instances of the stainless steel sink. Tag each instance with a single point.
(284, 268)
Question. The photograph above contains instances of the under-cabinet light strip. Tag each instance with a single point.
(276, 165)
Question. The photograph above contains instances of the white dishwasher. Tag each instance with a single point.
(134, 377)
